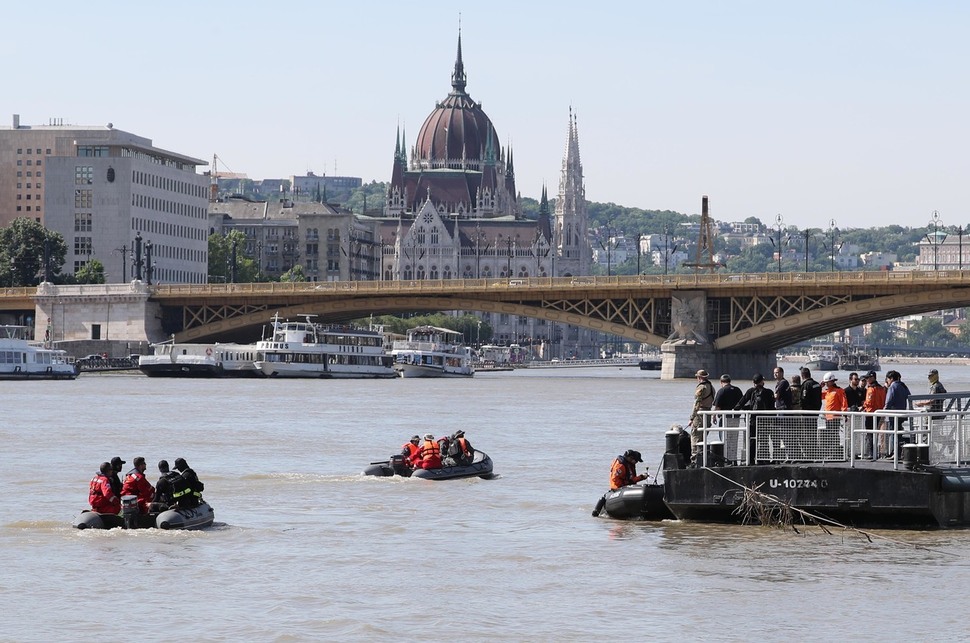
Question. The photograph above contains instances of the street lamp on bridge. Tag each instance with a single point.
(779, 225)
(833, 230)
(937, 238)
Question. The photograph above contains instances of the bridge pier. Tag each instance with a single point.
(683, 359)
(97, 312)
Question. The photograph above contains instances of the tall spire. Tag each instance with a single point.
(458, 76)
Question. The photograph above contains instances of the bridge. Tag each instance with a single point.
(714, 321)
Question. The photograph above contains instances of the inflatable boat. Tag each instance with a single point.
(480, 467)
(635, 502)
(190, 518)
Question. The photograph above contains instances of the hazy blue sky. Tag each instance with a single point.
(853, 111)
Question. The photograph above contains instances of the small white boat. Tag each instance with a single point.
(430, 351)
(200, 360)
(308, 350)
(21, 359)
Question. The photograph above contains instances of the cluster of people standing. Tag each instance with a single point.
(180, 488)
(430, 453)
(863, 393)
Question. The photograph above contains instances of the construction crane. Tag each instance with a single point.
(215, 175)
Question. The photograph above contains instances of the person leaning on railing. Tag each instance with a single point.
(874, 401)
(897, 395)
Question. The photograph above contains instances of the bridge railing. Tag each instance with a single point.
(743, 280)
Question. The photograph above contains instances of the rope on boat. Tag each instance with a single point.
(758, 507)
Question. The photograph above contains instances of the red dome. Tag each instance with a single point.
(457, 134)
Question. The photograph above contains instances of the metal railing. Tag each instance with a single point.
(750, 437)
(743, 280)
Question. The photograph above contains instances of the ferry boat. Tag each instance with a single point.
(22, 359)
(430, 351)
(801, 467)
(309, 350)
(200, 360)
(823, 357)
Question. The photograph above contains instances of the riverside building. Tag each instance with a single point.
(102, 189)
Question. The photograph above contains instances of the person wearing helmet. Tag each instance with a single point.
(410, 449)
(429, 456)
(833, 399)
(100, 495)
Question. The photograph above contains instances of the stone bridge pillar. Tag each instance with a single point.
(112, 312)
(689, 349)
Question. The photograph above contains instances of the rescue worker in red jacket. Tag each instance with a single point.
(430, 454)
(624, 470)
(136, 484)
(102, 498)
(411, 449)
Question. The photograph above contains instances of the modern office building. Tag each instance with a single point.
(107, 192)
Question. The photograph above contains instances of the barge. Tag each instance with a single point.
(892, 469)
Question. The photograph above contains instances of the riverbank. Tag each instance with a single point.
(958, 361)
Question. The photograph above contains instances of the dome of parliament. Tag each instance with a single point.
(457, 134)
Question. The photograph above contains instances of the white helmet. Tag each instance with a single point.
(829, 377)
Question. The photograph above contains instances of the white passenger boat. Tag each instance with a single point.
(21, 359)
(430, 351)
(200, 360)
(306, 349)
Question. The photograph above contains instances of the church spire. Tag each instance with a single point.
(458, 76)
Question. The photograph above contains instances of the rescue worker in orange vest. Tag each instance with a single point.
(430, 454)
(136, 484)
(103, 500)
(624, 471)
(411, 449)
(463, 451)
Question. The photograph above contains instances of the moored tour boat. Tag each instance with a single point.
(200, 360)
(480, 467)
(21, 359)
(308, 350)
(430, 351)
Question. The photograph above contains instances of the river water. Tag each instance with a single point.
(305, 548)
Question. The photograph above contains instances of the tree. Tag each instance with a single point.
(90, 273)
(22, 252)
(220, 254)
(294, 274)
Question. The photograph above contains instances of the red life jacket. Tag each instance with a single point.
(412, 452)
(100, 496)
(137, 485)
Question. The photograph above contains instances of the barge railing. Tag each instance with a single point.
(755, 437)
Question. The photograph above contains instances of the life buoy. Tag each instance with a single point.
(208, 352)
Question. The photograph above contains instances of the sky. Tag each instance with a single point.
(847, 111)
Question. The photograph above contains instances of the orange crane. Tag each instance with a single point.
(215, 175)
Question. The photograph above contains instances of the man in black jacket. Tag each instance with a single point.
(188, 487)
(811, 392)
(164, 488)
(756, 398)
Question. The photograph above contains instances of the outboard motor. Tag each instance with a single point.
(397, 465)
(129, 511)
